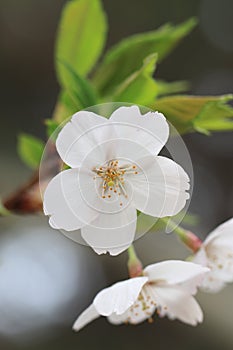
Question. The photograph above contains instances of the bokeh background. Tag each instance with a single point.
(47, 280)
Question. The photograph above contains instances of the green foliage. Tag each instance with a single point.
(200, 113)
(30, 150)
(81, 37)
(126, 57)
(125, 74)
(140, 87)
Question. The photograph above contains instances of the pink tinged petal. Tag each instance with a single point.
(64, 203)
(174, 272)
(81, 135)
(87, 316)
(178, 304)
(111, 232)
(159, 188)
(119, 297)
(151, 130)
(223, 232)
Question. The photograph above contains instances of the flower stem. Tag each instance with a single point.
(135, 267)
(132, 253)
(180, 231)
(187, 237)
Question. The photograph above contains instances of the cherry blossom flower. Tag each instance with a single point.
(216, 253)
(115, 171)
(166, 288)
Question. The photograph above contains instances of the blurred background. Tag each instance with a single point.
(46, 280)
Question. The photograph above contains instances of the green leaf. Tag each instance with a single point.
(60, 112)
(215, 115)
(65, 107)
(79, 89)
(140, 87)
(127, 56)
(200, 113)
(30, 150)
(81, 37)
(77, 94)
(169, 88)
(52, 128)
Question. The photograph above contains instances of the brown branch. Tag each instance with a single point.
(28, 198)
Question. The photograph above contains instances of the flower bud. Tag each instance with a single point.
(191, 241)
(135, 267)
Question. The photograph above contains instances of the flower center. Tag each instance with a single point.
(112, 175)
(144, 304)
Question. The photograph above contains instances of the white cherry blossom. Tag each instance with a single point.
(166, 288)
(216, 253)
(115, 170)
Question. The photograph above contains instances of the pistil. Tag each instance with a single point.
(113, 178)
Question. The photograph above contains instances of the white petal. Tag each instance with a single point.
(84, 132)
(111, 233)
(64, 203)
(87, 316)
(127, 150)
(177, 303)
(212, 284)
(223, 231)
(143, 308)
(151, 130)
(220, 261)
(200, 257)
(173, 272)
(119, 297)
(74, 236)
(159, 188)
(118, 319)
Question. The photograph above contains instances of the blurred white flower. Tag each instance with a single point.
(114, 171)
(167, 287)
(216, 253)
